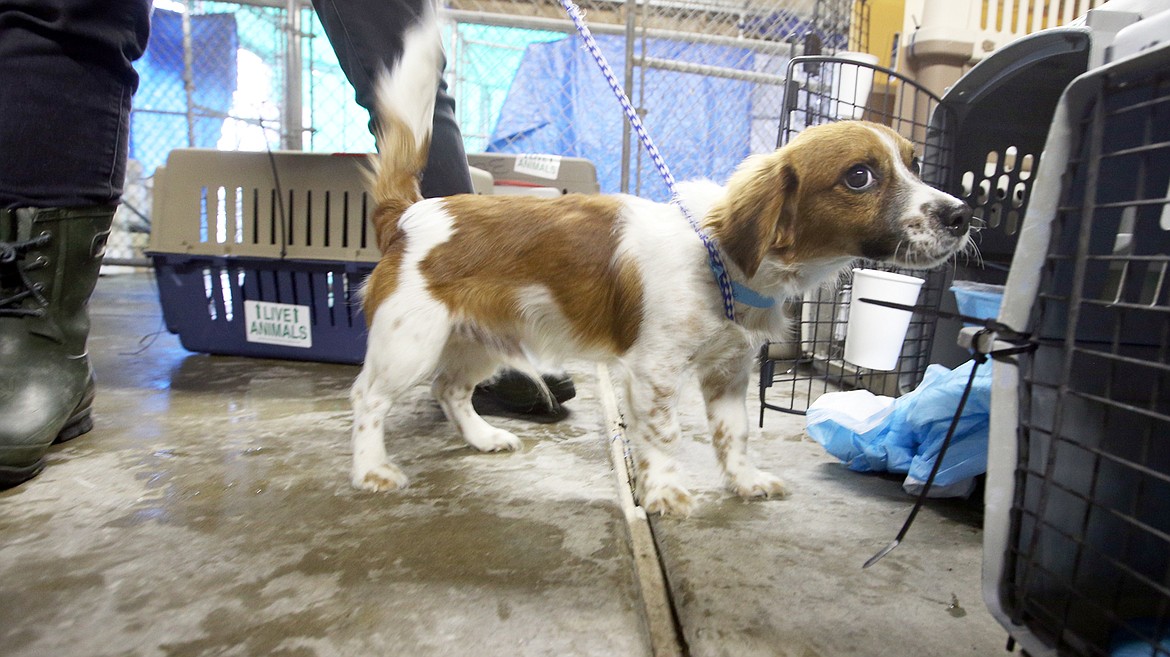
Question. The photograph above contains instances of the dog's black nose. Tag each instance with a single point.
(955, 217)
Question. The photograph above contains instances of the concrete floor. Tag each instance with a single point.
(209, 513)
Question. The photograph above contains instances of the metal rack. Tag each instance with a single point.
(810, 363)
(980, 144)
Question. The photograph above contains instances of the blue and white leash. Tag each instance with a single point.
(731, 291)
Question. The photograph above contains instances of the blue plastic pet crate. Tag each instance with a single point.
(262, 255)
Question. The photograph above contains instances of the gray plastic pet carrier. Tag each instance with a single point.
(1077, 526)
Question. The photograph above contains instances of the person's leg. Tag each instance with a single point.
(66, 81)
(366, 36)
(66, 76)
(447, 171)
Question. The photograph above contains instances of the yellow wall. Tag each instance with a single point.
(885, 20)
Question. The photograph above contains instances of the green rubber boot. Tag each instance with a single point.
(49, 262)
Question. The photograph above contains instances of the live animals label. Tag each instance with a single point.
(540, 166)
(278, 323)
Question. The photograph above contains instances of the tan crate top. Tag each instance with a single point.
(226, 203)
(314, 205)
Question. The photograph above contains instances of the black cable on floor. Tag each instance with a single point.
(990, 327)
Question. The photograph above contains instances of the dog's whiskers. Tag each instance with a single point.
(971, 252)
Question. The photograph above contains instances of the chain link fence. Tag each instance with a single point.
(707, 77)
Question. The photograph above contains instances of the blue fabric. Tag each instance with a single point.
(1135, 642)
(750, 297)
(159, 122)
(880, 434)
(552, 107)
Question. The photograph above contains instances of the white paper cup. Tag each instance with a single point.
(875, 333)
(852, 84)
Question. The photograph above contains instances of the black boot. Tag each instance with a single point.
(49, 262)
(513, 394)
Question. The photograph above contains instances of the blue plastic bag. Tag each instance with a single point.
(870, 433)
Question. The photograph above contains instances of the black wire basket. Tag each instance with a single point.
(795, 371)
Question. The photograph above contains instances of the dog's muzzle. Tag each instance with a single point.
(954, 217)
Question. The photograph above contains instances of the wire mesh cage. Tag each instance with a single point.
(256, 76)
(810, 363)
(1082, 566)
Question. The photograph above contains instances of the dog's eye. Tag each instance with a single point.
(859, 177)
(916, 167)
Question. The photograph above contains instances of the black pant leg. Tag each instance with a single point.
(367, 36)
(66, 81)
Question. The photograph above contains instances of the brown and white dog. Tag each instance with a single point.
(468, 283)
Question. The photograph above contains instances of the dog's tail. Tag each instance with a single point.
(404, 111)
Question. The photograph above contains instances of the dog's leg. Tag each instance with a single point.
(465, 364)
(372, 469)
(404, 349)
(725, 393)
(653, 427)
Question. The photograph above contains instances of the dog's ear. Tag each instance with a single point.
(758, 212)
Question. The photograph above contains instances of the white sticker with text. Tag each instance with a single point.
(541, 166)
(278, 323)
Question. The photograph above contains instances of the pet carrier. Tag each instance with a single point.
(944, 38)
(810, 363)
(262, 254)
(1076, 531)
(997, 145)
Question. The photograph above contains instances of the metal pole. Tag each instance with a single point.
(292, 135)
(631, 7)
(189, 73)
(562, 25)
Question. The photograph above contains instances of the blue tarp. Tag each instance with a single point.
(159, 122)
(881, 434)
(560, 104)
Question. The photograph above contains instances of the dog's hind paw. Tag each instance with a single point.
(495, 440)
(758, 483)
(380, 478)
(668, 500)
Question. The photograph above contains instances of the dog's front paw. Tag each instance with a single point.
(668, 500)
(494, 440)
(757, 483)
(380, 478)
